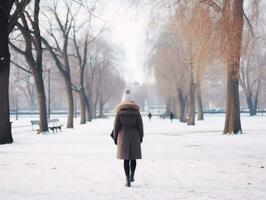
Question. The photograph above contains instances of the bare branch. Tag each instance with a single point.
(249, 23)
(20, 67)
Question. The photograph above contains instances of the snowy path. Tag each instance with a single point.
(179, 163)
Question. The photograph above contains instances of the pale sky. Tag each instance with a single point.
(128, 28)
(130, 33)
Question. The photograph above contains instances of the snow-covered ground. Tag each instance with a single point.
(179, 162)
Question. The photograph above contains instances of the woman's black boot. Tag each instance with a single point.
(128, 181)
(132, 177)
(133, 164)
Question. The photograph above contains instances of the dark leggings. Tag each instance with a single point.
(129, 164)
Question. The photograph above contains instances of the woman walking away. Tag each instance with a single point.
(128, 134)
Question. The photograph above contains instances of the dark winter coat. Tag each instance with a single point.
(128, 131)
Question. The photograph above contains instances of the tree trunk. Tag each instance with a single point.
(95, 103)
(82, 106)
(41, 99)
(199, 103)
(70, 101)
(82, 95)
(254, 109)
(168, 106)
(38, 72)
(177, 108)
(182, 106)
(95, 110)
(101, 107)
(191, 105)
(250, 103)
(232, 121)
(92, 110)
(256, 99)
(5, 125)
(232, 118)
(191, 100)
(173, 103)
(88, 108)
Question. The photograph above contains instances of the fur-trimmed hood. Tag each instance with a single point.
(127, 104)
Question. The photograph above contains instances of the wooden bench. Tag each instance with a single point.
(53, 125)
(35, 125)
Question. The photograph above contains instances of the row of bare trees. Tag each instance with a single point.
(202, 33)
(181, 56)
(79, 52)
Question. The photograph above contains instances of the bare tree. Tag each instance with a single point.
(226, 18)
(251, 72)
(102, 57)
(33, 55)
(60, 52)
(188, 48)
(197, 32)
(82, 61)
(252, 62)
(233, 15)
(7, 24)
(170, 73)
(81, 54)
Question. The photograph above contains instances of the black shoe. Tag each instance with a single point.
(132, 177)
(128, 181)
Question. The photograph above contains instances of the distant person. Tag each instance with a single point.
(149, 115)
(128, 135)
(171, 116)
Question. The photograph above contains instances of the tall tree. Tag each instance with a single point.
(7, 24)
(60, 52)
(199, 102)
(232, 21)
(253, 57)
(33, 55)
(5, 125)
(82, 57)
(82, 61)
(231, 15)
(251, 80)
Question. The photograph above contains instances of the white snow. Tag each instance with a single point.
(179, 162)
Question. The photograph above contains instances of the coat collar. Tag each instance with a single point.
(127, 104)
